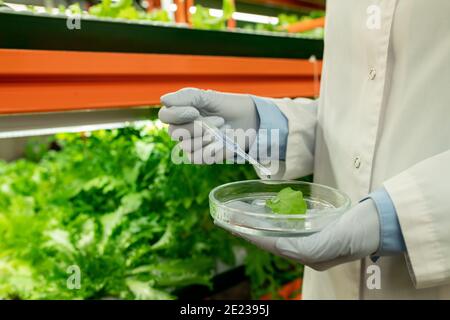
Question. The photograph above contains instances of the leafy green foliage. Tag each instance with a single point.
(287, 19)
(287, 201)
(124, 9)
(228, 8)
(75, 8)
(267, 273)
(113, 204)
(202, 19)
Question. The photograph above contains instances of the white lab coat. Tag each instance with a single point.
(383, 119)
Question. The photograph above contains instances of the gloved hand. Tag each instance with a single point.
(354, 236)
(223, 110)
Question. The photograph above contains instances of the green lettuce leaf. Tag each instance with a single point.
(287, 201)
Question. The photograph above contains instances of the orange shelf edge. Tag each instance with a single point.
(44, 81)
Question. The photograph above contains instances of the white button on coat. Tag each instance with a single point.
(357, 162)
(400, 124)
(372, 73)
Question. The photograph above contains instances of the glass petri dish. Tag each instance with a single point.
(240, 206)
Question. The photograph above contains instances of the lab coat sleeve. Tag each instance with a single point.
(270, 118)
(301, 114)
(421, 196)
(391, 238)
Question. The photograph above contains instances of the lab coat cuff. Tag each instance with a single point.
(391, 237)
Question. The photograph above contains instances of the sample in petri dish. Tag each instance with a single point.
(240, 206)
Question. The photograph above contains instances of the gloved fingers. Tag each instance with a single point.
(201, 149)
(317, 251)
(237, 219)
(225, 226)
(354, 236)
(296, 249)
(183, 97)
(265, 243)
(214, 153)
(198, 156)
(339, 242)
(194, 128)
(322, 266)
(278, 246)
(178, 115)
(209, 154)
(195, 144)
(317, 248)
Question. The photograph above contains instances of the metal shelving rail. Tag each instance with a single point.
(44, 66)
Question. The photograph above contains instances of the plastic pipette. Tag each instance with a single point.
(234, 147)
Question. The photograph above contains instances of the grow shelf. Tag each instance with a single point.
(291, 4)
(46, 67)
(19, 30)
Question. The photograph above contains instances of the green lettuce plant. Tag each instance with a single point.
(113, 205)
